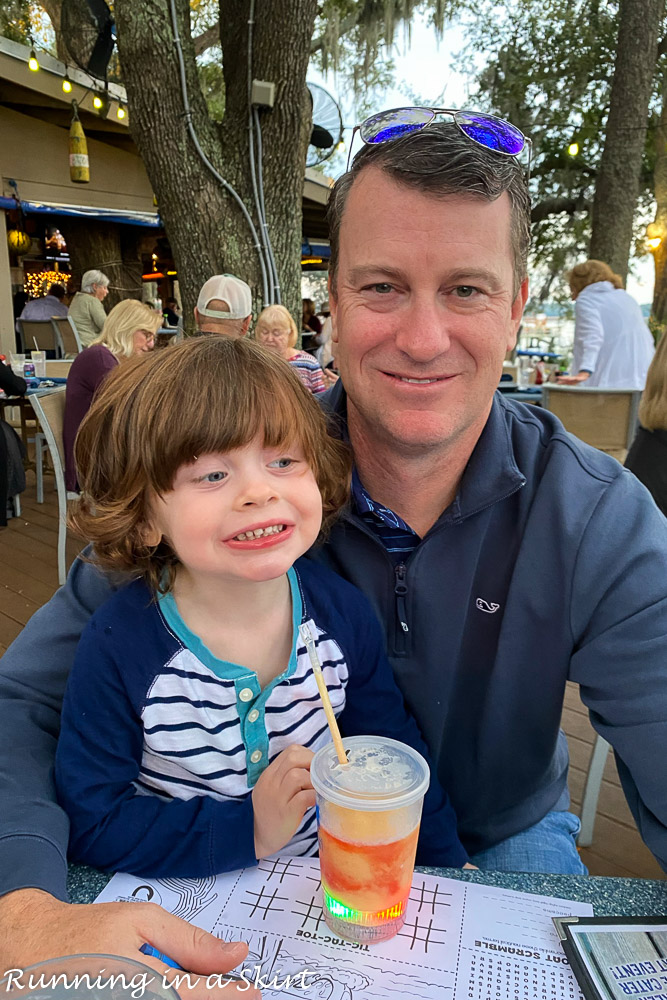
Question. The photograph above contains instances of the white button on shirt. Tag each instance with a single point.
(256, 756)
(246, 694)
(253, 716)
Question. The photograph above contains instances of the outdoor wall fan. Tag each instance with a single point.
(90, 34)
(327, 126)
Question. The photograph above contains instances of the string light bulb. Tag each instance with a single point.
(121, 112)
(98, 103)
(573, 149)
(32, 61)
(67, 84)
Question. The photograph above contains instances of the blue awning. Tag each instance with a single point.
(150, 219)
(309, 249)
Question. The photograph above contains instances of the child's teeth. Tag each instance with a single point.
(273, 529)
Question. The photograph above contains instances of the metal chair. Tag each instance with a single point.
(50, 411)
(589, 802)
(604, 418)
(40, 334)
(68, 336)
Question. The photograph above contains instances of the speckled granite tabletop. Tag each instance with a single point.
(628, 897)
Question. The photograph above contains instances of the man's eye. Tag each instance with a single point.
(381, 287)
(465, 291)
(214, 477)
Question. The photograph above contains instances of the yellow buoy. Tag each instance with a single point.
(79, 169)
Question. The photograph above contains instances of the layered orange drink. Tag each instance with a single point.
(368, 822)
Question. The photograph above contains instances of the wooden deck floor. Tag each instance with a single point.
(28, 578)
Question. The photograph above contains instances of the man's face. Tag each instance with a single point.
(423, 311)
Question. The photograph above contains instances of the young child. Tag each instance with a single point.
(192, 713)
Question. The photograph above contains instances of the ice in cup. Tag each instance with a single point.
(368, 813)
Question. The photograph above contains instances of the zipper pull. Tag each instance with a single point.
(401, 589)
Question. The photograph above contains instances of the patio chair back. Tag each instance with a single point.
(605, 418)
(50, 411)
(39, 334)
(68, 335)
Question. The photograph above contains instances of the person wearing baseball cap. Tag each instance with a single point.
(224, 306)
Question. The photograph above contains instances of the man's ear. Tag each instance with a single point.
(197, 317)
(516, 313)
(246, 325)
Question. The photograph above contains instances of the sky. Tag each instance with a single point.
(425, 67)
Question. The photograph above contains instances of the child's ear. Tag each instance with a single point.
(151, 536)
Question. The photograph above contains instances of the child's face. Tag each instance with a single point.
(218, 502)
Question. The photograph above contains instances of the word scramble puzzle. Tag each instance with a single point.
(460, 941)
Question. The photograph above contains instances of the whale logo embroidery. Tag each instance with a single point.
(487, 606)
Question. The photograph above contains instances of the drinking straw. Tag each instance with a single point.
(307, 639)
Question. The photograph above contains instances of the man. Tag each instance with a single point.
(172, 315)
(49, 305)
(224, 306)
(503, 556)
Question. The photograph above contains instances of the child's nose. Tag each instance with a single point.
(257, 491)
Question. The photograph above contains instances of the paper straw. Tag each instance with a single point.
(307, 639)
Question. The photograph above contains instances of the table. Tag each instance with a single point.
(627, 897)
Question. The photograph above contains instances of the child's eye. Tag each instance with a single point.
(282, 463)
(213, 477)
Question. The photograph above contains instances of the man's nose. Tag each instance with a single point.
(423, 331)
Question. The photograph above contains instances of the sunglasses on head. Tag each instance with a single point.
(486, 130)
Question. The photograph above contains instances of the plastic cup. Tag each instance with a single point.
(17, 361)
(39, 360)
(368, 815)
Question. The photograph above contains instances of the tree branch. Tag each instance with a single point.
(207, 39)
(662, 46)
(347, 24)
(555, 206)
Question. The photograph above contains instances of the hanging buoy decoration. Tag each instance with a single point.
(79, 169)
(18, 241)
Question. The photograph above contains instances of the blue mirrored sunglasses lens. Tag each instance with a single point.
(494, 133)
(392, 124)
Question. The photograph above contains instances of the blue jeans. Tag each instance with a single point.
(548, 847)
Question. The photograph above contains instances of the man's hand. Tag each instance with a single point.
(34, 927)
(329, 377)
(573, 379)
(280, 799)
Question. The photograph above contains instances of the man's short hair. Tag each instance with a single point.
(440, 161)
(229, 289)
(57, 290)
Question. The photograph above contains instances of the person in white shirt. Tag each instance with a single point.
(613, 346)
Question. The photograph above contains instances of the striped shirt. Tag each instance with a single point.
(396, 535)
(309, 371)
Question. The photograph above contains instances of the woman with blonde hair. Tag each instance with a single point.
(129, 329)
(612, 343)
(277, 330)
(647, 457)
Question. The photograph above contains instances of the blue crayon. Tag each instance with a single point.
(148, 949)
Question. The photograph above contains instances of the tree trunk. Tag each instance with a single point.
(207, 231)
(618, 175)
(659, 308)
(107, 247)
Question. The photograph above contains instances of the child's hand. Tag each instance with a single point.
(280, 799)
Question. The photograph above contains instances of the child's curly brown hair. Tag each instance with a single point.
(159, 411)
